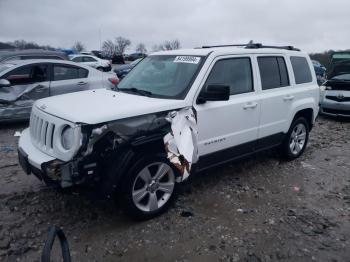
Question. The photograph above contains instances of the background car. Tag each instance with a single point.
(9, 55)
(86, 53)
(123, 70)
(335, 93)
(320, 71)
(24, 81)
(93, 61)
(115, 58)
(135, 56)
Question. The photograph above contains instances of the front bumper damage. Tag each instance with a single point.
(108, 143)
(49, 169)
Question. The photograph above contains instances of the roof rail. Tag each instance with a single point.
(252, 45)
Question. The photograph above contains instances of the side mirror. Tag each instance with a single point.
(214, 93)
(4, 83)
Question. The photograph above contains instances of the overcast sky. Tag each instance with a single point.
(311, 25)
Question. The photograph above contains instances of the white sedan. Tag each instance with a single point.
(93, 61)
(24, 81)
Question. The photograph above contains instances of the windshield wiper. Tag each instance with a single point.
(137, 91)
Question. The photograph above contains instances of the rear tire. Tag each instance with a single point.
(149, 188)
(100, 69)
(296, 139)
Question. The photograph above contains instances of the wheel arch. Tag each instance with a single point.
(127, 157)
(307, 113)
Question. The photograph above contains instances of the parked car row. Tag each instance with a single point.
(9, 55)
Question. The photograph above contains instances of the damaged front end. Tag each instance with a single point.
(181, 142)
(110, 149)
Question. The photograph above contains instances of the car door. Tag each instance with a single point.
(276, 98)
(68, 78)
(28, 83)
(228, 129)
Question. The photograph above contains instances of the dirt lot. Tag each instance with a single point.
(259, 209)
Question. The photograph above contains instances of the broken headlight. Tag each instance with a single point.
(67, 139)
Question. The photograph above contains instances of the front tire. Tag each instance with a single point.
(296, 139)
(149, 188)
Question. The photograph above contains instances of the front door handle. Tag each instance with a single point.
(82, 83)
(250, 105)
(288, 98)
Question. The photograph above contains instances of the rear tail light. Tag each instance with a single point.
(113, 80)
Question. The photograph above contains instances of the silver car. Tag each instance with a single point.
(24, 81)
(335, 92)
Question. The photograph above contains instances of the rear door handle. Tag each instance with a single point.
(288, 98)
(250, 105)
(82, 83)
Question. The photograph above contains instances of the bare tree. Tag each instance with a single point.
(172, 45)
(121, 44)
(20, 44)
(108, 47)
(167, 45)
(156, 48)
(78, 46)
(141, 48)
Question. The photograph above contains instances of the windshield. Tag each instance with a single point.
(163, 76)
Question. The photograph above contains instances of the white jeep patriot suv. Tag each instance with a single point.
(175, 113)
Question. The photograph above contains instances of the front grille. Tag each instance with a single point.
(336, 111)
(45, 132)
(41, 131)
(338, 99)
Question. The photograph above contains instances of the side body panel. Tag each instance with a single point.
(225, 124)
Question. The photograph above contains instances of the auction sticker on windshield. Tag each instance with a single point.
(187, 59)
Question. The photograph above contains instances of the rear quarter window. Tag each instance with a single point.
(301, 69)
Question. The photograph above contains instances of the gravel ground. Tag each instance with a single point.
(259, 209)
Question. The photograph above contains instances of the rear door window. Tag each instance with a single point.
(233, 72)
(66, 72)
(301, 69)
(89, 59)
(273, 72)
(28, 74)
(77, 59)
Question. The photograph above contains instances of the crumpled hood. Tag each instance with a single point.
(102, 105)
